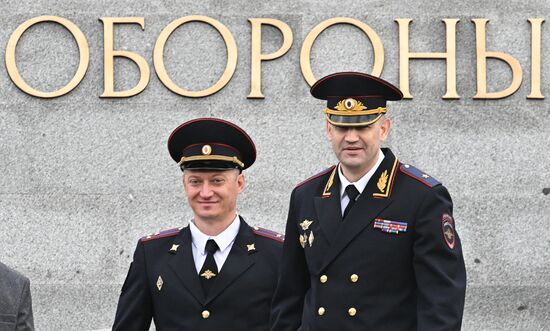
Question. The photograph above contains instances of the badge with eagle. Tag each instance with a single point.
(447, 226)
(304, 238)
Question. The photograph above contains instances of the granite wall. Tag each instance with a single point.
(83, 177)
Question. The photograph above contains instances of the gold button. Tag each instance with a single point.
(321, 311)
(205, 314)
(323, 278)
(354, 278)
(352, 312)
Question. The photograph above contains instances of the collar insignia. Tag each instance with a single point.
(385, 182)
(326, 192)
(382, 181)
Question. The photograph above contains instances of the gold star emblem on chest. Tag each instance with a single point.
(251, 247)
(208, 274)
(174, 248)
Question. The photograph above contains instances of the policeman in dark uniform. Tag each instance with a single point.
(371, 242)
(217, 273)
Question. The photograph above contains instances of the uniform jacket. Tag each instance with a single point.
(395, 263)
(15, 301)
(163, 285)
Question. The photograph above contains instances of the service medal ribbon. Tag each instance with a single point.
(390, 226)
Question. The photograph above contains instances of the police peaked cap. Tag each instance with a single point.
(354, 98)
(211, 144)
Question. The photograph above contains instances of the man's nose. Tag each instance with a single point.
(351, 135)
(206, 191)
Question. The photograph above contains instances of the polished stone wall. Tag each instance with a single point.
(83, 177)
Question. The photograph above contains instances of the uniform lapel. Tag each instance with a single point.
(183, 264)
(367, 207)
(328, 208)
(238, 261)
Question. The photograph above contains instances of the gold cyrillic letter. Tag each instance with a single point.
(158, 56)
(482, 55)
(110, 54)
(83, 49)
(305, 54)
(536, 24)
(449, 56)
(258, 56)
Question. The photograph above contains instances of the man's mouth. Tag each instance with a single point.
(352, 148)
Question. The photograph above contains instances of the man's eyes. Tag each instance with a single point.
(215, 181)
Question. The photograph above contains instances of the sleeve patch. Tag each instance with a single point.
(268, 234)
(448, 228)
(419, 175)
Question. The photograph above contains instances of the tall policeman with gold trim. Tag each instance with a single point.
(218, 273)
(370, 243)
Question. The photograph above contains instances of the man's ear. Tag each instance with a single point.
(328, 130)
(385, 127)
(241, 182)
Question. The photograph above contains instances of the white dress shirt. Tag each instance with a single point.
(224, 240)
(359, 185)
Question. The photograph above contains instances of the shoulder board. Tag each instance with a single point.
(324, 172)
(268, 234)
(419, 175)
(161, 234)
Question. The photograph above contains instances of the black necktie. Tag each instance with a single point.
(209, 269)
(352, 193)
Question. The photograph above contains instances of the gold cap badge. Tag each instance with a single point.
(206, 150)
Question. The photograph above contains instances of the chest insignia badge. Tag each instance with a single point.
(305, 224)
(303, 241)
(160, 282)
(208, 274)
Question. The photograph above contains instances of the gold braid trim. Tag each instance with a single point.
(233, 159)
(379, 110)
(326, 192)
